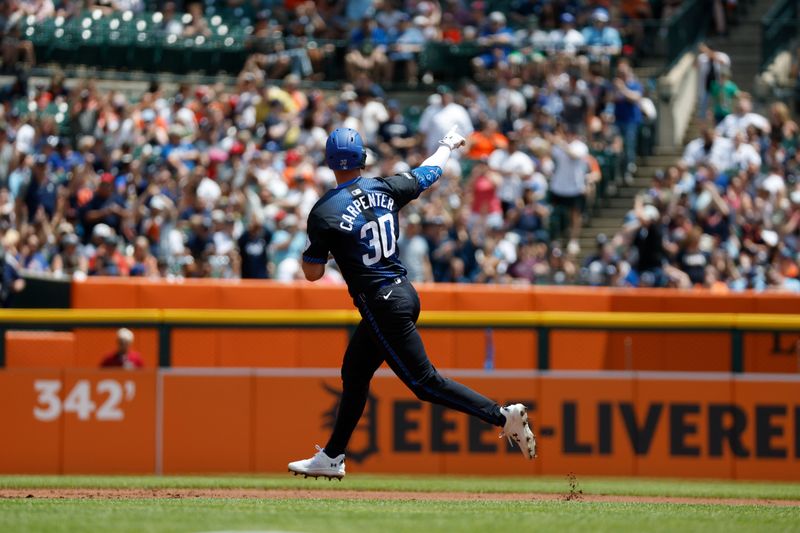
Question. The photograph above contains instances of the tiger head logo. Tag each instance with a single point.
(364, 441)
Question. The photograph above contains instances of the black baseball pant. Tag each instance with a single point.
(388, 332)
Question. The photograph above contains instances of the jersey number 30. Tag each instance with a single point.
(381, 239)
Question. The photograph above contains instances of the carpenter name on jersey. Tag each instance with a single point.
(361, 203)
(357, 223)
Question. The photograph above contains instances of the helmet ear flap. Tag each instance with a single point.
(363, 162)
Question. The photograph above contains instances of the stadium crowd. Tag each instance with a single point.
(726, 215)
(216, 181)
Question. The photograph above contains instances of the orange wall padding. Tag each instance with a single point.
(254, 421)
(586, 350)
(40, 349)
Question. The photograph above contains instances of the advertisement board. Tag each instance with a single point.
(203, 420)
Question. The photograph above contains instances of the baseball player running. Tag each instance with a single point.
(357, 223)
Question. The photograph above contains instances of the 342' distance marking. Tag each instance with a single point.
(109, 392)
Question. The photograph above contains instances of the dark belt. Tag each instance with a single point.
(372, 289)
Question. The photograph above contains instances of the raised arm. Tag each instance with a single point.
(432, 168)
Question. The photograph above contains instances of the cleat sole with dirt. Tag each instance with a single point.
(315, 476)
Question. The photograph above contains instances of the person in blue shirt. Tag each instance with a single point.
(105, 207)
(627, 115)
(406, 47)
(496, 38)
(369, 31)
(40, 192)
(601, 39)
(11, 281)
(64, 159)
(357, 224)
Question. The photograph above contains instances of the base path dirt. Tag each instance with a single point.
(277, 494)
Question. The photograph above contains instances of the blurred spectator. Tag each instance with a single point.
(627, 114)
(105, 207)
(741, 118)
(496, 38)
(123, 356)
(287, 246)
(143, 263)
(647, 240)
(601, 39)
(253, 245)
(198, 25)
(723, 92)
(515, 168)
(486, 209)
(710, 65)
(14, 50)
(396, 132)
(528, 216)
(568, 186)
(442, 113)
(710, 149)
(11, 282)
(171, 21)
(578, 103)
(406, 48)
(106, 260)
(414, 250)
(566, 38)
(484, 141)
(69, 259)
(367, 56)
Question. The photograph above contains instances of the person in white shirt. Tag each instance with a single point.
(25, 138)
(566, 38)
(742, 118)
(745, 156)
(774, 183)
(513, 165)
(709, 148)
(437, 123)
(433, 107)
(568, 185)
(373, 114)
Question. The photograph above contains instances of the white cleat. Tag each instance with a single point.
(319, 466)
(517, 429)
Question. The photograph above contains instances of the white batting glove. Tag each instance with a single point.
(453, 140)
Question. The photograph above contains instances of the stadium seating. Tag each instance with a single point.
(131, 41)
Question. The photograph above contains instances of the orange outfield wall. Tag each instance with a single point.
(235, 420)
(447, 348)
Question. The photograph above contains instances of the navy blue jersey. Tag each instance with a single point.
(357, 223)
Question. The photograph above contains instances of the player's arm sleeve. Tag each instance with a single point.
(408, 186)
(316, 249)
(431, 169)
(404, 186)
(426, 176)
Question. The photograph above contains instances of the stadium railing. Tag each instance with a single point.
(686, 27)
(779, 28)
(544, 322)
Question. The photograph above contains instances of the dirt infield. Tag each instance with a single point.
(275, 494)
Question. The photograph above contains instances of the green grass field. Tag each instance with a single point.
(389, 516)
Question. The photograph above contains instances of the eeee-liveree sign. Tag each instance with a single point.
(111, 395)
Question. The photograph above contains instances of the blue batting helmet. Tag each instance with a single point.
(344, 150)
